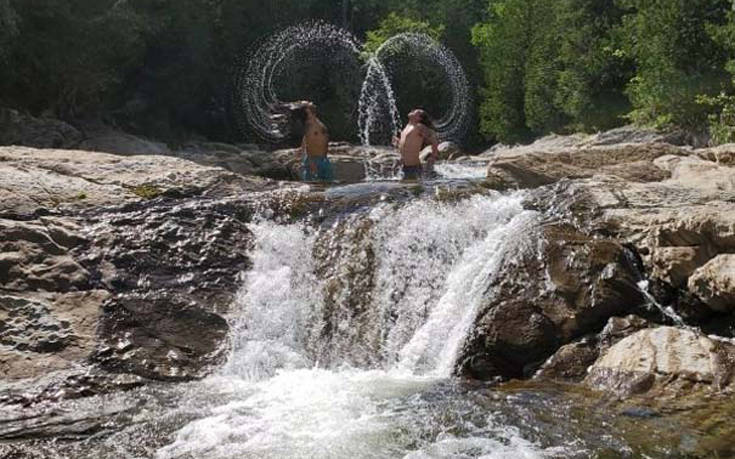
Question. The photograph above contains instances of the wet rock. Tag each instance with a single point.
(175, 268)
(664, 360)
(35, 256)
(346, 260)
(194, 245)
(532, 169)
(67, 384)
(633, 134)
(134, 276)
(17, 128)
(40, 182)
(43, 332)
(714, 283)
(240, 159)
(160, 336)
(566, 288)
(571, 361)
(447, 151)
(676, 225)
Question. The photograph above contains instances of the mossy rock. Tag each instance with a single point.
(146, 191)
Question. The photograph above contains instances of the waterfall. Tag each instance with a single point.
(399, 287)
(434, 262)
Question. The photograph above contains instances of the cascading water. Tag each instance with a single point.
(377, 108)
(433, 264)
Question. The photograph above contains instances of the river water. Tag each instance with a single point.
(326, 365)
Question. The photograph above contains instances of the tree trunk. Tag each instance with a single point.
(345, 15)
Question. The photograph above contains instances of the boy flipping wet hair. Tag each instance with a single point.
(315, 165)
(418, 133)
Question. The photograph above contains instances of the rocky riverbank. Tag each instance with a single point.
(119, 269)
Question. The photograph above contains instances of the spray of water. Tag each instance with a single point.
(408, 48)
(257, 106)
(377, 108)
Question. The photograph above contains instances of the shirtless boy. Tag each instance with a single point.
(315, 165)
(418, 133)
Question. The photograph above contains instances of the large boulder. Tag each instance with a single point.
(447, 151)
(532, 169)
(571, 362)
(664, 360)
(544, 298)
(125, 262)
(714, 283)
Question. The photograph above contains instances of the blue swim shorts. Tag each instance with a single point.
(316, 168)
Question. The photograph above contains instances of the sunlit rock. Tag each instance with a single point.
(664, 359)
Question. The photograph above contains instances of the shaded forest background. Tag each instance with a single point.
(163, 68)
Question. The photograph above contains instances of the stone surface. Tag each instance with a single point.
(44, 332)
(714, 283)
(664, 359)
(34, 256)
(571, 361)
(121, 143)
(126, 262)
(447, 151)
(155, 245)
(568, 286)
(38, 182)
(530, 169)
(18, 128)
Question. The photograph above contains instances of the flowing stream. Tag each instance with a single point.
(434, 263)
(344, 338)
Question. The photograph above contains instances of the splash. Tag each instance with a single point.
(256, 102)
(258, 107)
(405, 50)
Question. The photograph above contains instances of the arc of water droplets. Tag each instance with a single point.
(454, 122)
(256, 100)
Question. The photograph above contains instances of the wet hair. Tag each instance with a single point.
(300, 115)
(425, 119)
(296, 124)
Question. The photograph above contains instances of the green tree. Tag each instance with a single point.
(503, 42)
(593, 72)
(722, 105)
(676, 59)
(395, 24)
(71, 56)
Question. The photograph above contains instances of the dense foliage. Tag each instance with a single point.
(163, 67)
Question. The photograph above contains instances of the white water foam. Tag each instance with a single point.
(280, 301)
(284, 406)
(436, 262)
(454, 170)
